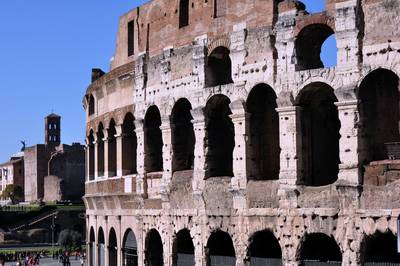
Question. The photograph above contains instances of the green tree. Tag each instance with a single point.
(69, 239)
(14, 193)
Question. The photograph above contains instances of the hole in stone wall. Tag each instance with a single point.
(129, 145)
(153, 140)
(112, 150)
(264, 249)
(183, 139)
(309, 44)
(381, 248)
(100, 150)
(219, 67)
(219, 137)
(319, 247)
(129, 251)
(320, 127)
(154, 248)
(264, 132)
(183, 249)
(379, 111)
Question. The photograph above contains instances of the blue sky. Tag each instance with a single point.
(47, 51)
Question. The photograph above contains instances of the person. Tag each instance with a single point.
(81, 260)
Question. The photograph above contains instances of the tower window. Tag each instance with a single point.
(131, 38)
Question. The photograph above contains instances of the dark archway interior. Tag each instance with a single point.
(264, 132)
(154, 249)
(219, 140)
(101, 248)
(320, 126)
(100, 151)
(220, 244)
(91, 156)
(130, 249)
(264, 245)
(183, 138)
(379, 111)
(129, 146)
(112, 249)
(219, 67)
(112, 150)
(381, 248)
(320, 247)
(183, 249)
(91, 251)
(308, 46)
(153, 140)
(183, 13)
(91, 104)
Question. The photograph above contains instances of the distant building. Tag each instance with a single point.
(12, 172)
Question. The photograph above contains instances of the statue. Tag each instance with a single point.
(23, 142)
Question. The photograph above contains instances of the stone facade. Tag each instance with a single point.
(218, 136)
(12, 172)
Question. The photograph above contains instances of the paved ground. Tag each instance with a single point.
(51, 262)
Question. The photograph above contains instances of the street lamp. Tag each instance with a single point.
(52, 233)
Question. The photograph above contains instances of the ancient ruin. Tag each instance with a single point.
(218, 137)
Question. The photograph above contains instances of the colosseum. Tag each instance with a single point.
(218, 137)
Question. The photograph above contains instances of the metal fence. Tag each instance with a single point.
(222, 261)
(381, 264)
(321, 263)
(185, 259)
(254, 261)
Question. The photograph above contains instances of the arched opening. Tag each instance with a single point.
(129, 145)
(219, 67)
(321, 249)
(100, 151)
(91, 248)
(153, 140)
(379, 111)
(183, 13)
(183, 138)
(183, 249)
(91, 104)
(112, 248)
(112, 149)
(380, 249)
(220, 250)
(154, 249)
(264, 132)
(101, 248)
(129, 251)
(309, 44)
(219, 139)
(91, 155)
(264, 249)
(320, 127)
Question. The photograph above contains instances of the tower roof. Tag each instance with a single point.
(53, 115)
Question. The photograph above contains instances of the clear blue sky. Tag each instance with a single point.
(47, 50)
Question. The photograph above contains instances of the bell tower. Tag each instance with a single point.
(52, 129)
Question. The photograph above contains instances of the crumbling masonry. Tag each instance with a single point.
(219, 137)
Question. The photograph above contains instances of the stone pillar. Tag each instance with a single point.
(118, 139)
(105, 140)
(199, 150)
(140, 178)
(290, 158)
(106, 243)
(141, 77)
(199, 59)
(167, 156)
(240, 157)
(238, 49)
(349, 142)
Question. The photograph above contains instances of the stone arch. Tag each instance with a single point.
(100, 150)
(183, 249)
(129, 249)
(320, 126)
(91, 247)
(154, 252)
(219, 138)
(379, 111)
(112, 248)
(112, 148)
(91, 102)
(183, 138)
(219, 67)
(264, 132)
(264, 249)
(319, 248)
(379, 248)
(220, 249)
(101, 247)
(183, 13)
(91, 150)
(153, 140)
(129, 145)
(308, 45)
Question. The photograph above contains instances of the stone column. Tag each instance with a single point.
(87, 160)
(105, 140)
(199, 150)
(290, 158)
(240, 156)
(238, 49)
(118, 139)
(349, 142)
(140, 178)
(106, 243)
(199, 58)
(167, 156)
